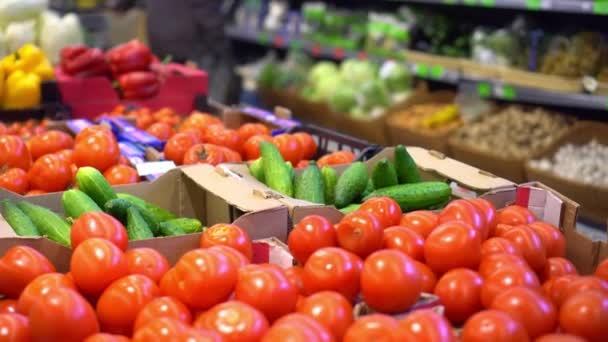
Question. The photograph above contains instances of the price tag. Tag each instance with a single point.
(488, 3)
(437, 71)
(422, 70)
(484, 89)
(155, 167)
(264, 38)
(600, 7)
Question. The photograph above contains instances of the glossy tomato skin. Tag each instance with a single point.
(505, 278)
(203, 153)
(295, 275)
(19, 266)
(237, 258)
(533, 310)
(585, 314)
(426, 325)
(428, 277)
(310, 234)
(331, 309)
(235, 321)
(553, 240)
(92, 130)
(290, 147)
(333, 269)
(97, 224)
(558, 337)
(337, 158)
(102, 255)
(50, 173)
(199, 121)
(161, 130)
(404, 240)
(148, 262)
(39, 287)
(514, 215)
(98, 150)
(49, 142)
(14, 152)
(178, 144)
(218, 135)
(452, 245)
(103, 337)
(530, 244)
(555, 288)
(498, 245)
(162, 307)
(162, 329)
(14, 327)
(374, 327)
(121, 174)
(459, 291)
(62, 315)
(297, 327)
(602, 270)
(465, 211)
(15, 180)
(586, 283)
(493, 325)
(488, 211)
(251, 147)
(360, 232)
(228, 235)
(385, 209)
(557, 267)
(421, 221)
(250, 129)
(308, 144)
(8, 306)
(492, 262)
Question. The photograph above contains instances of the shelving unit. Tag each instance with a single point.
(598, 7)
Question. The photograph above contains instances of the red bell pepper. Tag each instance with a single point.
(131, 56)
(138, 84)
(81, 61)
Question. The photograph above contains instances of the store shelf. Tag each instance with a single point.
(597, 7)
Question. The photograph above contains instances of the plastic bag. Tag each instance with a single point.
(56, 33)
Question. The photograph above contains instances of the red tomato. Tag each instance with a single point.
(534, 311)
(19, 266)
(235, 257)
(100, 255)
(119, 304)
(559, 338)
(385, 209)
(50, 173)
(203, 153)
(97, 224)
(426, 325)
(49, 142)
(553, 240)
(452, 245)
(295, 275)
(530, 244)
(161, 329)
(330, 309)
(297, 328)
(228, 235)
(35, 192)
(498, 245)
(266, 288)
(557, 267)
(177, 146)
(160, 130)
(200, 135)
(488, 211)
(404, 240)
(505, 278)
(459, 291)
(493, 325)
(465, 211)
(92, 130)
(585, 314)
(333, 269)
(3, 129)
(235, 321)
(495, 261)
(309, 146)
(251, 147)
(310, 234)
(218, 135)
(14, 180)
(514, 215)
(249, 130)
(290, 148)
(66, 154)
(230, 156)
(14, 152)
(374, 327)
(121, 174)
(39, 287)
(148, 262)
(199, 121)
(62, 315)
(168, 307)
(200, 335)
(8, 306)
(337, 158)
(390, 281)
(360, 232)
(98, 150)
(421, 221)
(501, 229)
(602, 270)
(582, 284)
(14, 328)
(429, 279)
(103, 337)
(555, 288)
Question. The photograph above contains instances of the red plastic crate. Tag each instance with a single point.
(90, 97)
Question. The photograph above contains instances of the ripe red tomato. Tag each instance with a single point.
(15, 180)
(585, 314)
(168, 307)
(602, 270)
(426, 325)
(337, 158)
(495, 261)
(177, 146)
(385, 209)
(104, 257)
(555, 288)
(200, 335)
(237, 258)
(297, 327)
(331, 309)
(533, 310)
(374, 327)
(514, 215)
(295, 275)
(148, 262)
(103, 337)
(235, 321)
(66, 154)
(501, 229)
(553, 240)
(390, 281)
(19, 266)
(8, 306)
(310, 234)
(62, 315)
(3, 129)
(582, 284)
(505, 278)
(92, 130)
(333, 269)
(250, 129)
(160, 130)
(14, 152)
(121, 174)
(404, 240)
(35, 192)
(218, 135)
(290, 148)
(203, 153)
(465, 211)
(421, 221)
(557, 267)
(49, 142)
(199, 121)
(228, 235)
(498, 245)
(459, 291)
(452, 245)
(530, 244)
(429, 279)
(98, 150)
(39, 287)
(309, 146)
(488, 211)
(14, 328)
(559, 338)
(230, 156)
(162, 329)
(360, 232)
(251, 147)
(493, 325)
(97, 224)
(50, 173)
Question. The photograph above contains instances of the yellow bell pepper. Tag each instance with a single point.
(8, 63)
(22, 90)
(1, 81)
(29, 56)
(44, 70)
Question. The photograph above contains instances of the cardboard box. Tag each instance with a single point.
(318, 113)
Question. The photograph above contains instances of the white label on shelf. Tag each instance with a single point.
(155, 167)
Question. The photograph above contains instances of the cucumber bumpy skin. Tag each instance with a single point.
(351, 184)
(18, 220)
(416, 195)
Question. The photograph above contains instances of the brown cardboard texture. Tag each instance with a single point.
(318, 113)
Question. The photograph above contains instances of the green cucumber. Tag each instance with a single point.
(350, 208)
(168, 229)
(76, 203)
(276, 172)
(292, 172)
(407, 171)
(330, 178)
(48, 223)
(256, 169)
(309, 185)
(369, 188)
(137, 228)
(415, 196)
(157, 212)
(351, 184)
(118, 208)
(18, 220)
(188, 225)
(384, 174)
(92, 183)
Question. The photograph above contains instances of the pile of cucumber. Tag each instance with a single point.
(142, 219)
(399, 180)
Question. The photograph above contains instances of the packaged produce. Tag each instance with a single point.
(504, 47)
(575, 56)
(436, 117)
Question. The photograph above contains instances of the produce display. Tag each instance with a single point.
(435, 117)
